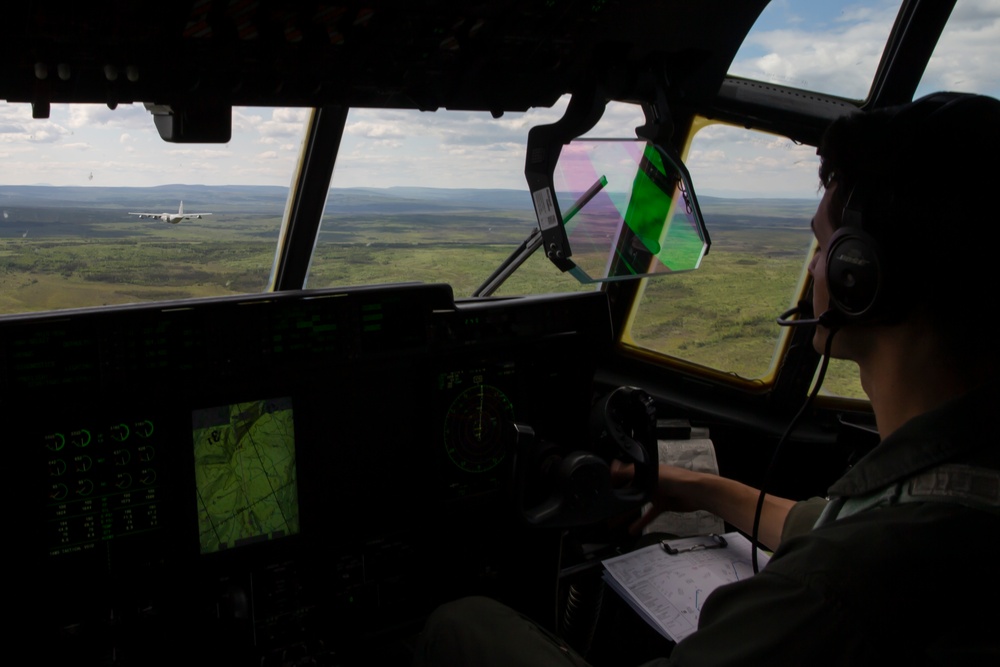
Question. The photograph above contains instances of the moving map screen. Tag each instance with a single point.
(245, 475)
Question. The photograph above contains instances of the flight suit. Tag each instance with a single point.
(897, 584)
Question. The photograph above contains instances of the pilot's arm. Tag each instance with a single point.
(682, 490)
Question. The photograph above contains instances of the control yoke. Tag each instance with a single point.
(554, 489)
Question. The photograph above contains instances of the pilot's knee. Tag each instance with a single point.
(481, 632)
(462, 612)
(454, 629)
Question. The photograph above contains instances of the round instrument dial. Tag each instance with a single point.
(473, 428)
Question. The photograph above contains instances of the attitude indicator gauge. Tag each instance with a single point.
(474, 425)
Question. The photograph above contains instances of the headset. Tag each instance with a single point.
(857, 272)
(864, 277)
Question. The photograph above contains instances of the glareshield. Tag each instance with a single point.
(630, 210)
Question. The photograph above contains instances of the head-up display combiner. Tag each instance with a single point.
(611, 209)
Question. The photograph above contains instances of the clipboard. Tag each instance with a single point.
(667, 590)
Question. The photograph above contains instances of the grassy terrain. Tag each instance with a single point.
(64, 273)
(57, 252)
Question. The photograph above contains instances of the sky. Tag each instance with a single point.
(829, 46)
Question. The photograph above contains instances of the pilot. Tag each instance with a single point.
(894, 566)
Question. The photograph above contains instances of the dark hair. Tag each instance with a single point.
(926, 173)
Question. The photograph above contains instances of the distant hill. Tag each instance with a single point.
(426, 200)
(66, 206)
(244, 199)
(221, 199)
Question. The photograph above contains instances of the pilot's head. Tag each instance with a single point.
(908, 226)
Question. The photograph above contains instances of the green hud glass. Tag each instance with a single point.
(630, 212)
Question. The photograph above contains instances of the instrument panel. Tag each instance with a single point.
(307, 469)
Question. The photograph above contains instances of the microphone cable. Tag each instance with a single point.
(791, 426)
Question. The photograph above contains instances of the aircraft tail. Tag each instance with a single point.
(180, 209)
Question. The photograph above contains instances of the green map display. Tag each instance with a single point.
(244, 456)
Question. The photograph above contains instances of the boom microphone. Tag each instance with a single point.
(803, 314)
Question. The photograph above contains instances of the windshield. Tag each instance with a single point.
(95, 209)
(98, 210)
(439, 197)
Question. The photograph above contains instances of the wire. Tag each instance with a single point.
(774, 456)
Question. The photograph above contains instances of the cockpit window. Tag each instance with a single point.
(827, 47)
(96, 209)
(966, 54)
(758, 193)
(439, 197)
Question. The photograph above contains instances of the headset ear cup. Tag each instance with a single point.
(854, 275)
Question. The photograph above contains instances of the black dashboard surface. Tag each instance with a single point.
(302, 471)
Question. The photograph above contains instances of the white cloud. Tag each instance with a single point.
(200, 153)
(967, 54)
(373, 129)
(96, 115)
(731, 161)
(17, 127)
(283, 125)
(839, 58)
(46, 135)
(388, 143)
(291, 115)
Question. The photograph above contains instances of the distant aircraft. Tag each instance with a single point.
(172, 218)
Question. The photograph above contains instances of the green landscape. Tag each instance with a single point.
(67, 247)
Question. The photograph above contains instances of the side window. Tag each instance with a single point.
(842, 379)
(758, 193)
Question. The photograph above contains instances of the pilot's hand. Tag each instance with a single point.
(674, 491)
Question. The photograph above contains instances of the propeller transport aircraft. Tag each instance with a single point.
(484, 281)
(172, 218)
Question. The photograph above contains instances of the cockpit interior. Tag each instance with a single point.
(453, 259)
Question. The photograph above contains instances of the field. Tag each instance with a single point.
(71, 247)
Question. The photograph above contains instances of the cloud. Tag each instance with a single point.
(373, 129)
(18, 127)
(283, 124)
(838, 57)
(200, 153)
(98, 115)
(732, 161)
(45, 136)
(812, 45)
(291, 115)
(965, 57)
